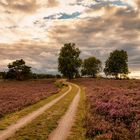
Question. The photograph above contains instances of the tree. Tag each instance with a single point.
(117, 63)
(18, 70)
(2, 75)
(69, 61)
(91, 67)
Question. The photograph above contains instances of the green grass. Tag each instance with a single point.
(41, 127)
(78, 131)
(13, 117)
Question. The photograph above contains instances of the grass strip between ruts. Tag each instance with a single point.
(14, 117)
(78, 130)
(41, 127)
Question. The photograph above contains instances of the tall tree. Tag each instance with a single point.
(117, 63)
(18, 70)
(69, 61)
(91, 67)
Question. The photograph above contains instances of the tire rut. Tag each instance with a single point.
(66, 122)
(11, 130)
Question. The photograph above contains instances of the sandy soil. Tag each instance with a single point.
(66, 123)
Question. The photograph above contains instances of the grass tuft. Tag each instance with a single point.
(78, 131)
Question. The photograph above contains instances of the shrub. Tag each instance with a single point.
(112, 109)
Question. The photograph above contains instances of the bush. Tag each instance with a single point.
(59, 84)
(112, 109)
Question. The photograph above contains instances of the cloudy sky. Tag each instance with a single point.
(35, 30)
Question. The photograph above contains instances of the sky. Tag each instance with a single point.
(35, 30)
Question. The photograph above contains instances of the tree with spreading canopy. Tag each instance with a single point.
(117, 64)
(69, 61)
(18, 70)
(91, 67)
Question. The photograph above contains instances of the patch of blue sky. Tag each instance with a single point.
(119, 3)
(64, 16)
(102, 3)
(72, 16)
(50, 17)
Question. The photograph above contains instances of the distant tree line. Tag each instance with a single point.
(44, 76)
(70, 65)
(18, 70)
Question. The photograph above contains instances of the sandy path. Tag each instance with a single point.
(27, 119)
(65, 124)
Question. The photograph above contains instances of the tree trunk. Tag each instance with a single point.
(116, 76)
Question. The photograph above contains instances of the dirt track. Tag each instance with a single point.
(27, 119)
(65, 124)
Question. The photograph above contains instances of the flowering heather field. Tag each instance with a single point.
(113, 109)
(16, 95)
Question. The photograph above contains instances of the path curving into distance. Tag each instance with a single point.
(66, 122)
(11, 130)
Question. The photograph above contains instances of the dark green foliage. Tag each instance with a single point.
(2, 75)
(117, 64)
(45, 76)
(18, 70)
(58, 76)
(91, 67)
(69, 61)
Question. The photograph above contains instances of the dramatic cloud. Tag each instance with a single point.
(19, 5)
(35, 30)
(52, 3)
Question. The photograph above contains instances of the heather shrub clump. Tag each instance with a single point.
(113, 109)
(118, 108)
(15, 96)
